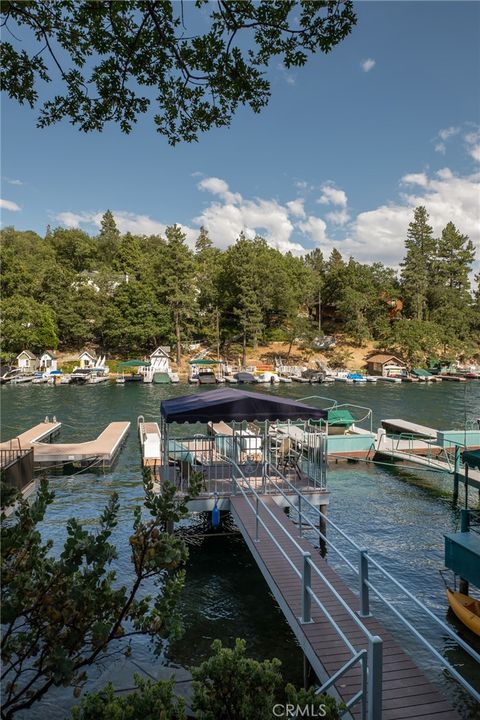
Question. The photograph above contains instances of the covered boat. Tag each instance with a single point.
(466, 608)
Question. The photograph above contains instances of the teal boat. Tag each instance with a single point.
(339, 421)
(161, 378)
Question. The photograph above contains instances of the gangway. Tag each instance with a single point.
(350, 652)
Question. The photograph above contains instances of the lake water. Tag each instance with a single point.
(400, 515)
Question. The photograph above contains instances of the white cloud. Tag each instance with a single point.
(379, 234)
(332, 196)
(219, 187)
(288, 76)
(316, 229)
(268, 218)
(338, 217)
(415, 179)
(125, 221)
(12, 181)
(301, 184)
(9, 205)
(73, 220)
(475, 152)
(444, 135)
(472, 140)
(448, 133)
(368, 64)
(296, 207)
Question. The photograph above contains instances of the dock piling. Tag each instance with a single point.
(363, 578)
(306, 587)
(375, 658)
(322, 526)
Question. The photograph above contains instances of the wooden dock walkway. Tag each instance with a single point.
(100, 452)
(406, 693)
(398, 425)
(43, 432)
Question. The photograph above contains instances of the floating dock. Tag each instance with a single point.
(44, 432)
(100, 452)
(404, 426)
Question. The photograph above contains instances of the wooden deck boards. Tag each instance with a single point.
(407, 692)
(38, 433)
(104, 448)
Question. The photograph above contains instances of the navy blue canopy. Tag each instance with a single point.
(229, 404)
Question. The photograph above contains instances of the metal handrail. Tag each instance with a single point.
(365, 582)
(466, 685)
(374, 643)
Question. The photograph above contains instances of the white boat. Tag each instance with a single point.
(40, 378)
(230, 379)
(284, 379)
(387, 378)
(357, 378)
(174, 378)
(267, 377)
(99, 373)
(371, 378)
(342, 376)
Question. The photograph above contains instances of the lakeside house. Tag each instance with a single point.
(385, 365)
(48, 361)
(26, 360)
(160, 359)
(86, 359)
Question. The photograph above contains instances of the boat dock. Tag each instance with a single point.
(44, 432)
(398, 688)
(100, 452)
(404, 426)
(279, 503)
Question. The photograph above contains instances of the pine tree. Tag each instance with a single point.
(452, 304)
(455, 255)
(207, 267)
(178, 282)
(108, 238)
(417, 265)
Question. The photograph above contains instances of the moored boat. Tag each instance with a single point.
(357, 378)
(245, 377)
(466, 608)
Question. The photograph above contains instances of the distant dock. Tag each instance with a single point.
(100, 452)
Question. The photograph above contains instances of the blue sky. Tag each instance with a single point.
(347, 147)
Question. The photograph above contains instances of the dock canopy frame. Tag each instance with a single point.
(205, 362)
(134, 363)
(231, 405)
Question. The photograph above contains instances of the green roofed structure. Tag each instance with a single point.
(205, 362)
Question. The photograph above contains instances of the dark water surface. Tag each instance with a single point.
(401, 516)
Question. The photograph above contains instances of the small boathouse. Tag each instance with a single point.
(277, 493)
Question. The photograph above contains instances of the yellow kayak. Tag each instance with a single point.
(466, 608)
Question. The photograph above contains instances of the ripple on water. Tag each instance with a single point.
(401, 517)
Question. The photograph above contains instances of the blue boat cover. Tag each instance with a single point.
(229, 404)
(471, 458)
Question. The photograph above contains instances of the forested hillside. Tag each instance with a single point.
(127, 294)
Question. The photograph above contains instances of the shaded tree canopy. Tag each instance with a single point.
(129, 293)
(117, 59)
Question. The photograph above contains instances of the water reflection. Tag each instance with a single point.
(401, 516)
